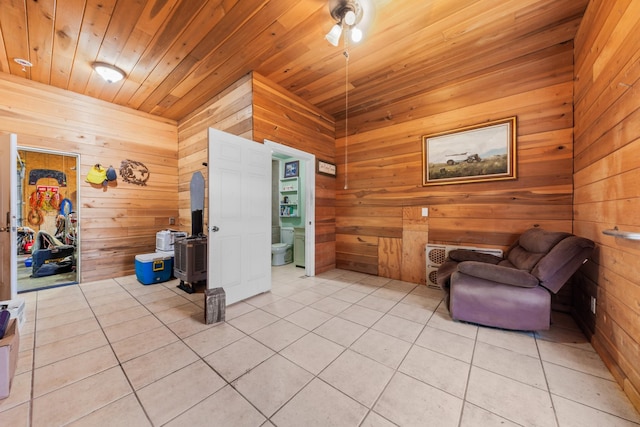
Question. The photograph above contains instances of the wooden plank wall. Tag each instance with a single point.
(379, 163)
(119, 221)
(258, 109)
(607, 189)
(282, 117)
(230, 111)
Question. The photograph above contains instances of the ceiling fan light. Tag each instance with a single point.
(333, 36)
(356, 34)
(350, 17)
(108, 72)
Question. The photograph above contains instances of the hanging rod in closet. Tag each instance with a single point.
(615, 232)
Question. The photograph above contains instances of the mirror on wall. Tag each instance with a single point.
(47, 219)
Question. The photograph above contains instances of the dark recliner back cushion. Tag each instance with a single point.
(523, 260)
(539, 240)
(532, 246)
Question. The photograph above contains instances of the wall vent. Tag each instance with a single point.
(436, 254)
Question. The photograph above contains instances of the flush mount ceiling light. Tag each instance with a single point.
(108, 72)
(347, 14)
(25, 64)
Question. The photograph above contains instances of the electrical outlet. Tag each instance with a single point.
(172, 221)
(425, 211)
(593, 305)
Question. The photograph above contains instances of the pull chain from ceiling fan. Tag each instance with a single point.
(346, 112)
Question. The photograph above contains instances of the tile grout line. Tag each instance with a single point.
(466, 385)
(133, 391)
(165, 325)
(396, 370)
(280, 318)
(368, 328)
(546, 380)
(314, 376)
(434, 313)
(33, 361)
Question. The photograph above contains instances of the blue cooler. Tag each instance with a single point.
(153, 268)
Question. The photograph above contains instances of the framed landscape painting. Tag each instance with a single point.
(483, 152)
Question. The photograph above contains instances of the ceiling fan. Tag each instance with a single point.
(351, 16)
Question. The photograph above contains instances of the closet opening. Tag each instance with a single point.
(48, 223)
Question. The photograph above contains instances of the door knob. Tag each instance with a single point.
(214, 229)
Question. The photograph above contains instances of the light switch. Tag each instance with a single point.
(425, 211)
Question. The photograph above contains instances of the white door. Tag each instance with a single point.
(8, 231)
(239, 216)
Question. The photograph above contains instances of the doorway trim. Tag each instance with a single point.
(309, 202)
(8, 204)
(76, 210)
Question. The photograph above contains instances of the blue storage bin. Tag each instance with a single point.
(153, 268)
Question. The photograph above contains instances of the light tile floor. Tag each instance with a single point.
(340, 349)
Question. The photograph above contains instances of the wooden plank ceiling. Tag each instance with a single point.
(178, 54)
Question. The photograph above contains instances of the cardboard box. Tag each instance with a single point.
(9, 348)
(16, 308)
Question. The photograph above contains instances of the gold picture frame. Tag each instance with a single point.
(478, 153)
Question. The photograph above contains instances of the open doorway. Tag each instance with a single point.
(294, 201)
(47, 219)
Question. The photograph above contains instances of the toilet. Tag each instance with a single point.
(282, 253)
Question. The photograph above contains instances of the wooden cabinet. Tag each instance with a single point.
(298, 247)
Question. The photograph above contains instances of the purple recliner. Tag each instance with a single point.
(513, 292)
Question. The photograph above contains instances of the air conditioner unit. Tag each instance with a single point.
(190, 263)
(436, 254)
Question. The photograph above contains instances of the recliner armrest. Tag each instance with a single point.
(498, 273)
(461, 255)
